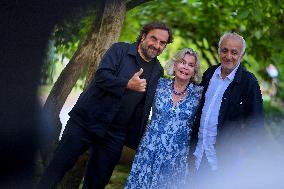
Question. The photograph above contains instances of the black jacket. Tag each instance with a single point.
(99, 103)
(240, 121)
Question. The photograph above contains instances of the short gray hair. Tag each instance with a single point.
(232, 34)
(169, 67)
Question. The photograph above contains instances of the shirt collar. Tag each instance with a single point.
(230, 76)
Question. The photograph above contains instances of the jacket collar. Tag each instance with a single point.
(237, 77)
(133, 49)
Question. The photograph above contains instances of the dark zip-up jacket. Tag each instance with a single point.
(240, 121)
(100, 102)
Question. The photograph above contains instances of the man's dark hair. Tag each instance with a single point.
(155, 25)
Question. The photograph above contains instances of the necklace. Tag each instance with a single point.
(178, 93)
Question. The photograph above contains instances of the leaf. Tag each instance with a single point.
(243, 13)
(205, 43)
(258, 34)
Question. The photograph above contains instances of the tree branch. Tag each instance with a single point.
(214, 53)
(201, 48)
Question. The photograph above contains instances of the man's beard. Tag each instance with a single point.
(149, 52)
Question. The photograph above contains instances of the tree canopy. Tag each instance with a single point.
(198, 24)
(201, 23)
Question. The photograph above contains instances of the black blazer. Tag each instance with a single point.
(99, 103)
(240, 120)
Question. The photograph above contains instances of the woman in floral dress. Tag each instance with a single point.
(161, 161)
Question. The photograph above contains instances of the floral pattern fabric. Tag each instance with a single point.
(161, 161)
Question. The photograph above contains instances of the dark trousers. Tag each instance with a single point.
(104, 155)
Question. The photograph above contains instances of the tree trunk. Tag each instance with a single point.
(110, 29)
(84, 55)
(108, 33)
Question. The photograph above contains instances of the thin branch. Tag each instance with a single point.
(201, 48)
(214, 54)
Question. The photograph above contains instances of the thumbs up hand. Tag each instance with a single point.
(137, 84)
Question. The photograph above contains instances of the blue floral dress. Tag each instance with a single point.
(161, 161)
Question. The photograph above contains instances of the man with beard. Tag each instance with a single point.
(113, 110)
(230, 119)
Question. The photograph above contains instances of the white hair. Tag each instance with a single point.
(232, 34)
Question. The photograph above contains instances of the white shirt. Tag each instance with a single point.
(209, 118)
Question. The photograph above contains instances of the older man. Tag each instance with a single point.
(231, 113)
(113, 110)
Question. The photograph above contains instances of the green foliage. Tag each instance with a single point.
(195, 23)
(199, 24)
(64, 42)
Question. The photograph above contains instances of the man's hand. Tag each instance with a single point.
(137, 84)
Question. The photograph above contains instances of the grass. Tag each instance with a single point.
(119, 177)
